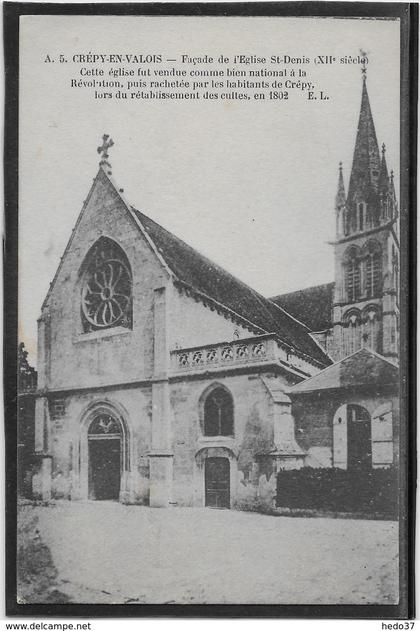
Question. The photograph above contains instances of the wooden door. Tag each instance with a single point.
(104, 469)
(217, 482)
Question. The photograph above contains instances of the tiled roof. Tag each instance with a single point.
(363, 368)
(312, 306)
(210, 280)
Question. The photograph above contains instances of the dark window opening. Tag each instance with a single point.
(361, 216)
(218, 413)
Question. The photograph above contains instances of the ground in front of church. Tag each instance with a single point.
(105, 552)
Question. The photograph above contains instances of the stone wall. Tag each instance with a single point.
(193, 324)
(253, 435)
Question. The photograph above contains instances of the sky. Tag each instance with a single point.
(251, 185)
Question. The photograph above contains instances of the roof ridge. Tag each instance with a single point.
(295, 291)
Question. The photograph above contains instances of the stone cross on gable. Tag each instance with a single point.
(106, 144)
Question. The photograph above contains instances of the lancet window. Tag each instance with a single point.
(218, 413)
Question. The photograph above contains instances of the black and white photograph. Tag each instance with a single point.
(212, 310)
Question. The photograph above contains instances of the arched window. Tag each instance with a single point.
(361, 216)
(372, 328)
(373, 269)
(352, 332)
(218, 413)
(106, 299)
(352, 274)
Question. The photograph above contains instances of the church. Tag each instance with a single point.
(164, 380)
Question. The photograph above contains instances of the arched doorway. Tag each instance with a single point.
(104, 457)
(352, 437)
(215, 474)
(217, 482)
(359, 438)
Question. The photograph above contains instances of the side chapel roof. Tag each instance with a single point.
(312, 306)
(362, 368)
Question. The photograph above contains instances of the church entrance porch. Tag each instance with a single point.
(102, 455)
(217, 482)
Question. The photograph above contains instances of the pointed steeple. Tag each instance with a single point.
(340, 198)
(393, 194)
(366, 167)
(340, 202)
(366, 160)
(383, 174)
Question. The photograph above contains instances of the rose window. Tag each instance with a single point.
(106, 291)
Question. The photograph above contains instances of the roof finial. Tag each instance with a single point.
(106, 144)
(383, 149)
(340, 166)
(364, 62)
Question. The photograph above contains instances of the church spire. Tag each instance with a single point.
(366, 159)
(340, 198)
(383, 174)
(366, 167)
(340, 202)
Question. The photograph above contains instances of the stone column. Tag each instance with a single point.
(160, 455)
(41, 482)
(287, 453)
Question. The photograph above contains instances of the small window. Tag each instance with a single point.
(373, 269)
(218, 413)
(352, 278)
(361, 217)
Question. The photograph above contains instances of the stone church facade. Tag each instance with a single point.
(164, 380)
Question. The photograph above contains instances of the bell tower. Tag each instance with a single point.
(366, 301)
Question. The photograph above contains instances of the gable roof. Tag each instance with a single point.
(312, 306)
(362, 368)
(213, 282)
